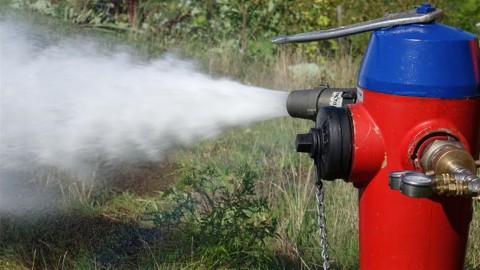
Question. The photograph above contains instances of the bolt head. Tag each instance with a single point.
(304, 143)
(425, 8)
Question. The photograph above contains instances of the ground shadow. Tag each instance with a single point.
(44, 242)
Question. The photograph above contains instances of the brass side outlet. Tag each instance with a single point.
(445, 157)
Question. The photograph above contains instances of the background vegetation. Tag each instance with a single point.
(245, 25)
(244, 200)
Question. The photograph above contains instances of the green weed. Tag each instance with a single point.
(221, 219)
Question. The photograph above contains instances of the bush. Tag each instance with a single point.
(220, 219)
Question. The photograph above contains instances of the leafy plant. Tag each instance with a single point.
(226, 223)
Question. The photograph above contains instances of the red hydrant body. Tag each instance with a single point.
(396, 231)
(418, 83)
(415, 127)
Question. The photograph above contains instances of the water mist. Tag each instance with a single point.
(66, 104)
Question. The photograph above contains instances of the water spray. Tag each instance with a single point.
(69, 105)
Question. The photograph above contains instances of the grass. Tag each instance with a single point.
(105, 222)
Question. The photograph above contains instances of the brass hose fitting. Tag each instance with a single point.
(443, 156)
(450, 171)
(453, 169)
(447, 184)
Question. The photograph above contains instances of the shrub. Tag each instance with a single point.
(221, 219)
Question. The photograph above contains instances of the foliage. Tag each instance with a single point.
(227, 224)
(467, 14)
(245, 25)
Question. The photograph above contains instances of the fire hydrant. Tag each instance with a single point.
(407, 137)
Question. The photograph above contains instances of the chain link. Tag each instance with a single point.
(321, 219)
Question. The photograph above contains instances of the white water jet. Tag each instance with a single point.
(66, 104)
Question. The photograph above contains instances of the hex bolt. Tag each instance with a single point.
(425, 8)
(304, 143)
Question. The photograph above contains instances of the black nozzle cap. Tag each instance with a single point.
(334, 156)
(329, 144)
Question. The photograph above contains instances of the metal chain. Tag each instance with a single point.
(321, 219)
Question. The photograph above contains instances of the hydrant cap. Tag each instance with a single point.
(422, 60)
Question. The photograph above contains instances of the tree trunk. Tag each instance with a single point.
(244, 27)
(131, 12)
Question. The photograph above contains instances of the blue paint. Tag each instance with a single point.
(425, 8)
(423, 60)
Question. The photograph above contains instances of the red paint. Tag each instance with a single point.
(476, 58)
(368, 147)
(396, 231)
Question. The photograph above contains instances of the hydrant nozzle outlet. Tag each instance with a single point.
(306, 104)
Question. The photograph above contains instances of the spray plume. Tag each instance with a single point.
(66, 104)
